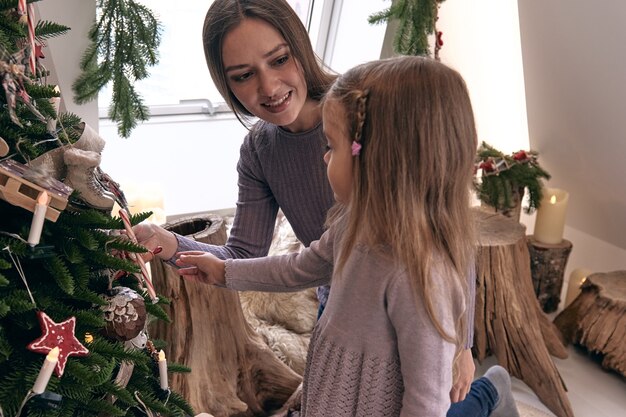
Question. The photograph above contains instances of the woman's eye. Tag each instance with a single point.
(242, 77)
(281, 60)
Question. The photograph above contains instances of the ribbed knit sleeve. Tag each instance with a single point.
(276, 169)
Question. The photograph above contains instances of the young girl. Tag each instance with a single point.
(401, 144)
(264, 66)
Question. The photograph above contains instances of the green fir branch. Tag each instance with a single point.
(177, 404)
(503, 174)
(125, 40)
(157, 311)
(5, 347)
(416, 21)
(61, 274)
(4, 309)
(46, 30)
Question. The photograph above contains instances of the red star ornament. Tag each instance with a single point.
(59, 335)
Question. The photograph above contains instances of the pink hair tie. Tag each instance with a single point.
(356, 148)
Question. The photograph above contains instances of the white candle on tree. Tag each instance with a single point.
(163, 370)
(56, 103)
(46, 371)
(550, 221)
(39, 217)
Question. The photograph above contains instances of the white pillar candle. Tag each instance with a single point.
(56, 103)
(163, 370)
(46, 371)
(39, 217)
(550, 221)
(576, 279)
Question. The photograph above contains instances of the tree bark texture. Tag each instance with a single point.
(547, 267)
(596, 319)
(233, 371)
(509, 321)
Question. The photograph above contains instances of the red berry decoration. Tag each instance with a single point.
(520, 156)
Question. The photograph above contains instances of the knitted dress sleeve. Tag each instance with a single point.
(253, 225)
(311, 267)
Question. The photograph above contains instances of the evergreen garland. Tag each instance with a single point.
(124, 43)
(416, 20)
(502, 175)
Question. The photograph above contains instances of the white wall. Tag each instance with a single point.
(574, 64)
(482, 41)
(64, 52)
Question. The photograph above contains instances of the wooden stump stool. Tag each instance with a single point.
(596, 319)
(233, 371)
(547, 266)
(509, 321)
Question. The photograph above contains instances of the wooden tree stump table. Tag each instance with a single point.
(596, 319)
(509, 321)
(547, 266)
(233, 371)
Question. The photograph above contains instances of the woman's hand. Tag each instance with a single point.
(157, 240)
(202, 267)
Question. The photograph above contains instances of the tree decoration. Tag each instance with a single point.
(82, 243)
(124, 43)
(58, 335)
(417, 20)
(125, 313)
(503, 175)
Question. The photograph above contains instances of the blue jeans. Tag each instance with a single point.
(479, 402)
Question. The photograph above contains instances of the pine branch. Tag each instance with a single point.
(125, 40)
(61, 274)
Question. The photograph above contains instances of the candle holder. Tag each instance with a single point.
(40, 252)
(547, 266)
(41, 403)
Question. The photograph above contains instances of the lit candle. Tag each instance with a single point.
(550, 221)
(576, 279)
(39, 216)
(46, 371)
(163, 370)
(56, 103)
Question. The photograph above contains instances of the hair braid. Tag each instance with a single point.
(361, 112)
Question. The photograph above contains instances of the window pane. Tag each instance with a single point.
(182, 73)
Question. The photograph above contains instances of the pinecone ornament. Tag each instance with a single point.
(125, 313)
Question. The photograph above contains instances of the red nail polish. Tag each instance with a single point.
(157, 250)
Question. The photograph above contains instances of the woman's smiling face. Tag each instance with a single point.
(265, 77)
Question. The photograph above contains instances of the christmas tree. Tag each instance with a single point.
(75, 297)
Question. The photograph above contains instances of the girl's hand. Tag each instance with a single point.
(201, 267)
(466, 367)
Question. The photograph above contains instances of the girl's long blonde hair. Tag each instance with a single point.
(412, 178)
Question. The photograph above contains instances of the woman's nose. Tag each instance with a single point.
(268, 85)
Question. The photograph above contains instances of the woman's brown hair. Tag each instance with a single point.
(224, 15)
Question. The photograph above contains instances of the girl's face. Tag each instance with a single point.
(266, 78)
(338, 157)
